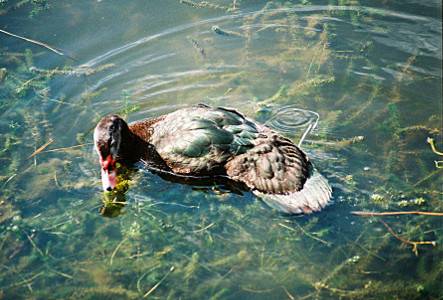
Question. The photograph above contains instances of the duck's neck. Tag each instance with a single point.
(132, 147)
(142, 149)
(144, 129)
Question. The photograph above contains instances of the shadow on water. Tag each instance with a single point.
(363, 79)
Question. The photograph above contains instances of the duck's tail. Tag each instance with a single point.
(313, 197)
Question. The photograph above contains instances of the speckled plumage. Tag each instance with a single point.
(204, 140)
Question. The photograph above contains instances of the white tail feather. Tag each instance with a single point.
(315, 194)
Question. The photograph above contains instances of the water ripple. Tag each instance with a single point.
(288, 120)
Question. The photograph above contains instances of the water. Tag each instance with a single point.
(368, 76)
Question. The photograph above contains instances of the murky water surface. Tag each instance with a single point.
(365, 75)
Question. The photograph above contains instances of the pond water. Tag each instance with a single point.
(369, 72)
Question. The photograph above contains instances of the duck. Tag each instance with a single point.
(202, 140)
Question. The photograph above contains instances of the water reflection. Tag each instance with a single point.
(115, 201)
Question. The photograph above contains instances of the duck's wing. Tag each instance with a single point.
(274, 165)
(279, 172)
(200, 140)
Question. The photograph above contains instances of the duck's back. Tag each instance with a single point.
(202, 139)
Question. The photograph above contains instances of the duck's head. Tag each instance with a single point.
(108, 143)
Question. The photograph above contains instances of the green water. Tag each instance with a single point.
(371, 70)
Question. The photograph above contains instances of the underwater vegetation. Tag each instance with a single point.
(380, 239)
(35, 6)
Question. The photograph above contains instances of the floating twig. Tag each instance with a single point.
(53, 49)
(431, 142)
(26, 281)
(146, 273)
(115, 251)
(62, 274)
(287, 293)
(66, 148)
(54, 150)
(158, 283)
(305, 232)
(430, 175)
(414, 249)
(203, 229)
(370, 214)
(414, 243)
(41, 148)
(34, 245)
(9, 179)
(256, 291)
(312, 61)
(437, 163)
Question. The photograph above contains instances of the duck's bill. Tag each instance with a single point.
(109, 179)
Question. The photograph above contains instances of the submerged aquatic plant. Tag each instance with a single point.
(438, 164)
(228, 8)
(37, 6)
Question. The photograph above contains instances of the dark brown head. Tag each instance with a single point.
(110, 136)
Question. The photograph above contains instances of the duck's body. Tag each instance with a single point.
(204, 140)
